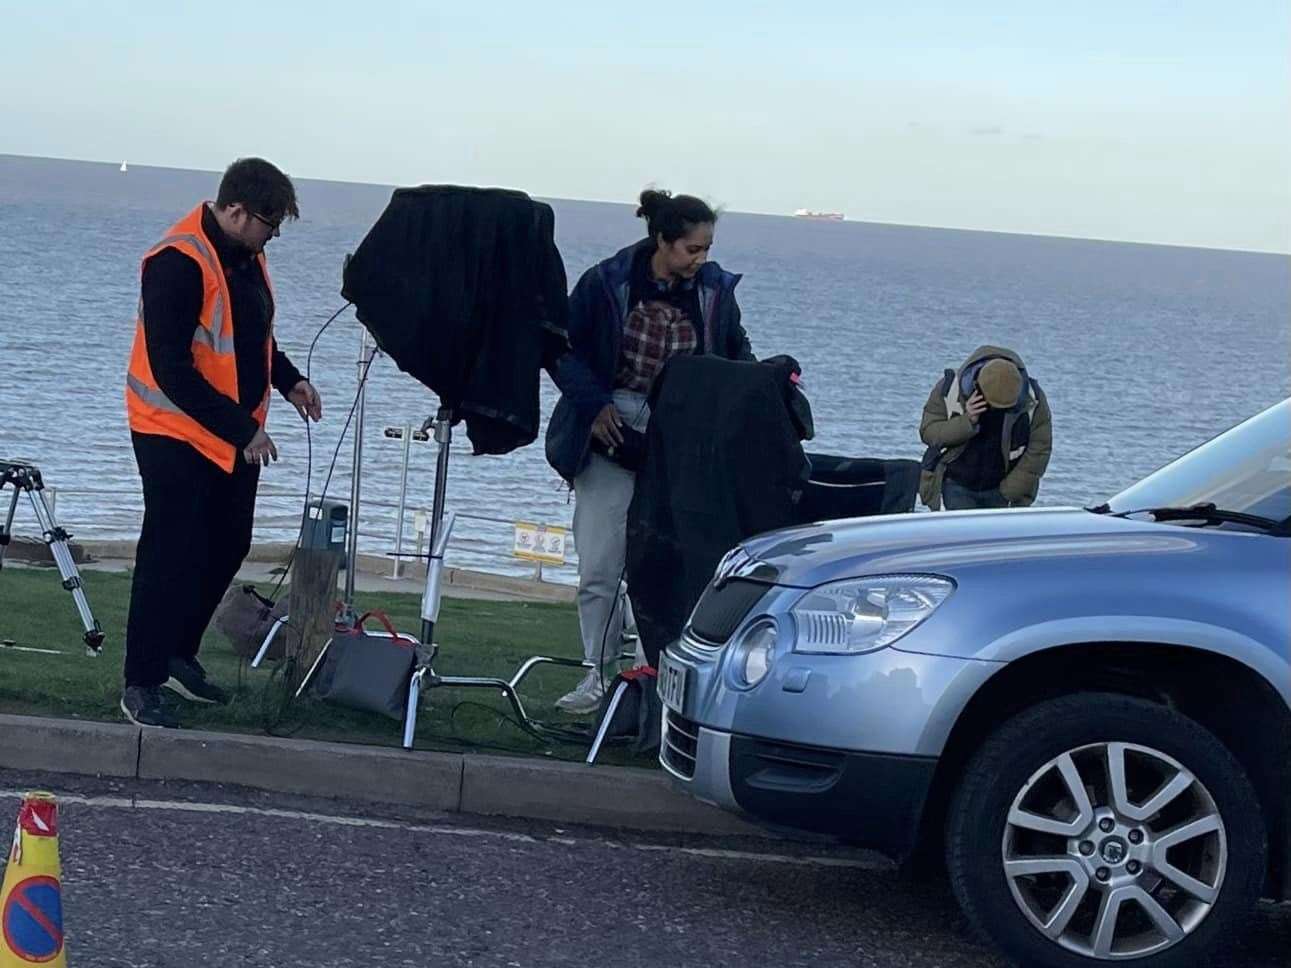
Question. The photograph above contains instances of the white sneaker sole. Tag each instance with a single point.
(174, 685)
(579, 706)
(129, 716)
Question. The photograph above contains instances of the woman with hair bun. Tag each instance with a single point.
(656, 298)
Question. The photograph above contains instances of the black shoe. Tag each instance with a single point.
(142, 706)
(188, 678)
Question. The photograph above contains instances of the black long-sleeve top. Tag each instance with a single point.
(172, 303)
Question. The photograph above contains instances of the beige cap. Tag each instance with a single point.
(1000, 383)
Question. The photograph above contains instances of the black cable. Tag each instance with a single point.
(309, 454)
(309, 471)
(331, 469)
(285, 672)
(572, 735)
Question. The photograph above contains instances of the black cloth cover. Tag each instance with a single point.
(465, 290)
(856, 487)
(725, 462)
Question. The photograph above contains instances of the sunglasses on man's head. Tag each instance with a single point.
(273, 224)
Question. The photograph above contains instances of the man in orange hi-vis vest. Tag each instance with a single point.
(197, 393)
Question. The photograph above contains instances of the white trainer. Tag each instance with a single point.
(586, 696)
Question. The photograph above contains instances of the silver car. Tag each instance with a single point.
(1087, 712)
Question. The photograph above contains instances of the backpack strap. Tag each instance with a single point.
(1035, 396)
(1028, 411)
(950, 394)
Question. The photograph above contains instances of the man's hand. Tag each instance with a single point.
(976, 406)
(306, 400)
(605, 427)
(261, 449)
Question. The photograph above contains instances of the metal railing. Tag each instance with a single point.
(393, 536)
(406, 434)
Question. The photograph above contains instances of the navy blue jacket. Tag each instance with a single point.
(598, 310)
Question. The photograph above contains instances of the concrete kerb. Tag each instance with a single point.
(305, 767)
(625, 798)
(68, 746)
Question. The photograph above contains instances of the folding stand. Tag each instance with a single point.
(424, 675)
(26, 477)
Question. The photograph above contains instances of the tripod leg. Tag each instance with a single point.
(304, 683)
(410, 715)
(604, 727)
(56, 538)
(268, 641)
(7, 530)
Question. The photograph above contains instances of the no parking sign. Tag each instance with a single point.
(32, 921)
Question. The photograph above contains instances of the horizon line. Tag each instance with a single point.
(845, 220)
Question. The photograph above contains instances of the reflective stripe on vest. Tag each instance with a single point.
(214, 337)
(150, 395)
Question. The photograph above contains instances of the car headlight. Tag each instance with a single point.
(864, 614)
(753, 653)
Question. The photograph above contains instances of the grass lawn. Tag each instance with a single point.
(475, 637)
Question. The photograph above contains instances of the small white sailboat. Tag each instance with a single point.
(123, 166)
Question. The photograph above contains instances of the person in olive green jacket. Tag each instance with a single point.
(989, 434)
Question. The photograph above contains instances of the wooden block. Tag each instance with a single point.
(312, 603)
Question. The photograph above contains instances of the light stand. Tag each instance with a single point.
(347, 616)
(424, 675)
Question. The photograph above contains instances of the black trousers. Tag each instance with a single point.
(196, 532)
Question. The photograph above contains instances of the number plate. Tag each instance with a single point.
(672, 683)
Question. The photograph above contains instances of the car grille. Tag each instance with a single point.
(721, 609)
(680, 745)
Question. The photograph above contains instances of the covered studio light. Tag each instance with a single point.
(465, 290)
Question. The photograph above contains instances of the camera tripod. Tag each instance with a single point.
(26, 477)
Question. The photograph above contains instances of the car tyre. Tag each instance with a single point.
(1034, 765)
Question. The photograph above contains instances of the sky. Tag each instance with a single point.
(1140, 120)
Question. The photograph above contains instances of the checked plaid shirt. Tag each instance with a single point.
(654, 331)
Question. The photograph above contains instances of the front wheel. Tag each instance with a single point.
(1103, 828)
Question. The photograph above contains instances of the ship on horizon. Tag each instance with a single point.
(818, 216)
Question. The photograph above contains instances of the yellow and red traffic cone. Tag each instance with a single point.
(31, 895)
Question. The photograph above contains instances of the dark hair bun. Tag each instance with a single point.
(672, 216)
(653, 201)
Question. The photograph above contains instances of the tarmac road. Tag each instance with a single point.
(188, 875)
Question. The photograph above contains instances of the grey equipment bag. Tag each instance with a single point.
(368, 670)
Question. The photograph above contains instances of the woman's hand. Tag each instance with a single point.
(605, 427)
(976, 406)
